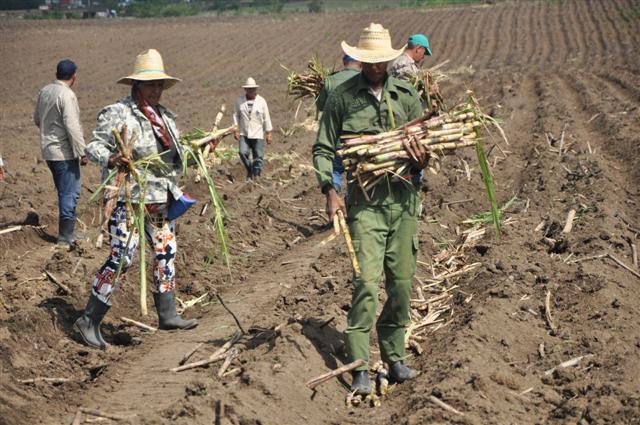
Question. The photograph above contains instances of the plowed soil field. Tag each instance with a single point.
(564, 79)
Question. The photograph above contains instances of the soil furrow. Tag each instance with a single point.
(529, 28)
(576, 25)
(594, 13)
(483, 24)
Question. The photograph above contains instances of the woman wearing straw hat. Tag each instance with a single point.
(153, 131)
(383, 225)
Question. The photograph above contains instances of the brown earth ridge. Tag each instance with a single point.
(539, 66)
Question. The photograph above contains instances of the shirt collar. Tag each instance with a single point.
(409, 57)
(134, 106)
(389, 86)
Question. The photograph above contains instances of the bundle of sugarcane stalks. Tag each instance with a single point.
(207, 141)
(310, 82)
(197, 146)
(425, 82)
(370, 157)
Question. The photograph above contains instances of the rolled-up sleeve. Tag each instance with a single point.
(236, 115)
(103, 144)
(324, 149)
(71, 119)
(267, 119)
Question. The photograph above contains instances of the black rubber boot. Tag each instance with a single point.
(66, 235)
(88, 325)
(399, 372)
(361, 383)
(168, 318)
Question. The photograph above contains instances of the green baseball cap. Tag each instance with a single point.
(420, 40)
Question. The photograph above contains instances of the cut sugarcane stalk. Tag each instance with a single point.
(347, 238)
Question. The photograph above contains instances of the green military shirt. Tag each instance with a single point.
(353, 109)
(331, 82)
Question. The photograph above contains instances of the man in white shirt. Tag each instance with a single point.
(251, 116)
(57, 115)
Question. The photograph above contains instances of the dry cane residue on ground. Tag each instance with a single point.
(564, 79)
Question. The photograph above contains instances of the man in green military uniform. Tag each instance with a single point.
(351, 67)
(384, 225)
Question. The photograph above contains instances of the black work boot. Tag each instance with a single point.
(66, 235)
(88, 325)
(399, 372)
(168, 318)
(361, 383)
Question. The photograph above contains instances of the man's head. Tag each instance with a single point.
(374, 46)
(66, 71)
(375, 73)
(374, 51)
(350, 62)
(250, 88)
(418, 47)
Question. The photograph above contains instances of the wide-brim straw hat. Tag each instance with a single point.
(149, 67)
(374, 46)
(250, 84)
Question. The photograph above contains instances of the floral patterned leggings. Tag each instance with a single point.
(163, 241)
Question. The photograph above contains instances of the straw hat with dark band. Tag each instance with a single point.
(149, 67)
(374, 46)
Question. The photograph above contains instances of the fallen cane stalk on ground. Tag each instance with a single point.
(312, 383)
(217, 355)
(547, 313)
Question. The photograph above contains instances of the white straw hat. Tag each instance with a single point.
(374, 46)
(149, 67)
(250, 84)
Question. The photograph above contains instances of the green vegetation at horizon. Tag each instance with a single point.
(167, 8)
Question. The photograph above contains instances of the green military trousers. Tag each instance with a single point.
(385, 239)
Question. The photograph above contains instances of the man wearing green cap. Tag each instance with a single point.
(406, 64)
(383, 223)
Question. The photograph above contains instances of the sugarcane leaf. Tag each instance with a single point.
(488, 182)
(99, 190)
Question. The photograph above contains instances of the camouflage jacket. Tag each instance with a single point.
(403, 67)
(160, 181)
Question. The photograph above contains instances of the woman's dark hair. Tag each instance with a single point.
(134, 88)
